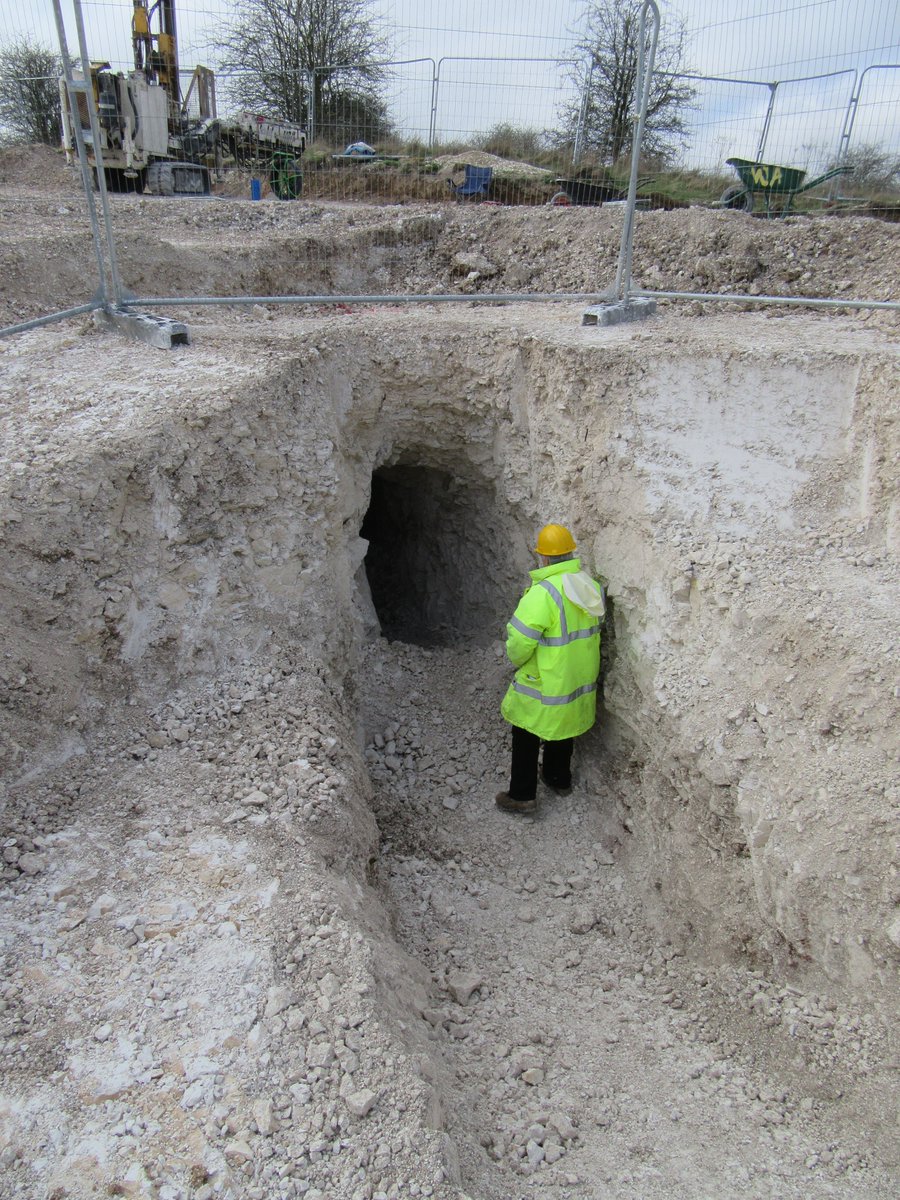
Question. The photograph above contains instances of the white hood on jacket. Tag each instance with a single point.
(584, 592)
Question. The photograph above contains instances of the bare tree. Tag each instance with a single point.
(284, 58)
(29, 93)
(873, 166)
(609, 45)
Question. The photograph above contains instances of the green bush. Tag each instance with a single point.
(511, 141)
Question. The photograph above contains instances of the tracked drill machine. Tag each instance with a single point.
(155, 139)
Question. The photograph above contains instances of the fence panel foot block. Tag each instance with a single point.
(145, 327)
(616, 314)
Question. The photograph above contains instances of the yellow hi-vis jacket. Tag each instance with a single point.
(554, 641)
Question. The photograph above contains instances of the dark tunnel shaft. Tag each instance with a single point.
(439, 562)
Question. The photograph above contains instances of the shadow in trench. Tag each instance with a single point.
(438, 566)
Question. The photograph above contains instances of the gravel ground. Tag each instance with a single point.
(224, 246)
(585, 1055)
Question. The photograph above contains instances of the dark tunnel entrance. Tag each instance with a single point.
(438, 563)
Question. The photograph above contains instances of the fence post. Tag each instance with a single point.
(435, 88)
(578, 147)
(849, 118)
(72, 90)
(433, 109)
(844, 139)
(641, 99)
(764, 134)
(853, 106)
(311, 123)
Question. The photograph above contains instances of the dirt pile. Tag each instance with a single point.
(38, 166)
(454, 164)
(226, 246)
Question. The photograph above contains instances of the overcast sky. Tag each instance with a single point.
(762, 40)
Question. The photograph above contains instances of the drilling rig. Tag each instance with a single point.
(154, 139)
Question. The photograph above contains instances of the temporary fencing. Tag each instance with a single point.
(796, 121)
(873, 114)
(772, 82)
(771, 181)
(526, 93)
(404, 90)
(728, 116)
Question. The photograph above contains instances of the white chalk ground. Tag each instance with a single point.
(264, 933)
(196, 1005)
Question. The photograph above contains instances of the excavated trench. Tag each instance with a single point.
(302, 510)
(408, 508)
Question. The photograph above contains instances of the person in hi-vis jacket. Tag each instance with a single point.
(553, 641)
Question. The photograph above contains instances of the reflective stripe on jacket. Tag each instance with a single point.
(555, 644)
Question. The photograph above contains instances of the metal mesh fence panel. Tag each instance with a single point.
(817, 60)
(52, 256)
(728, 116)
(401, 116)
(370, 132)
(807, 116)
(798, 121)
(874, 120)
(474, 94)
(802, 67)
(446, 111)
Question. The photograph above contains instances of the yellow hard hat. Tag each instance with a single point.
(555, 539)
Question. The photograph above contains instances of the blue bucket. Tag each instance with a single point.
(255, 189)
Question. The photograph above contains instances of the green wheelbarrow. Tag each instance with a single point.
(285, 176)
(775, 186)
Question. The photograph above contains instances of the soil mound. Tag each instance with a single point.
(37, 166)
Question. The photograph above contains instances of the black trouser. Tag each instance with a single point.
(556, 769)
